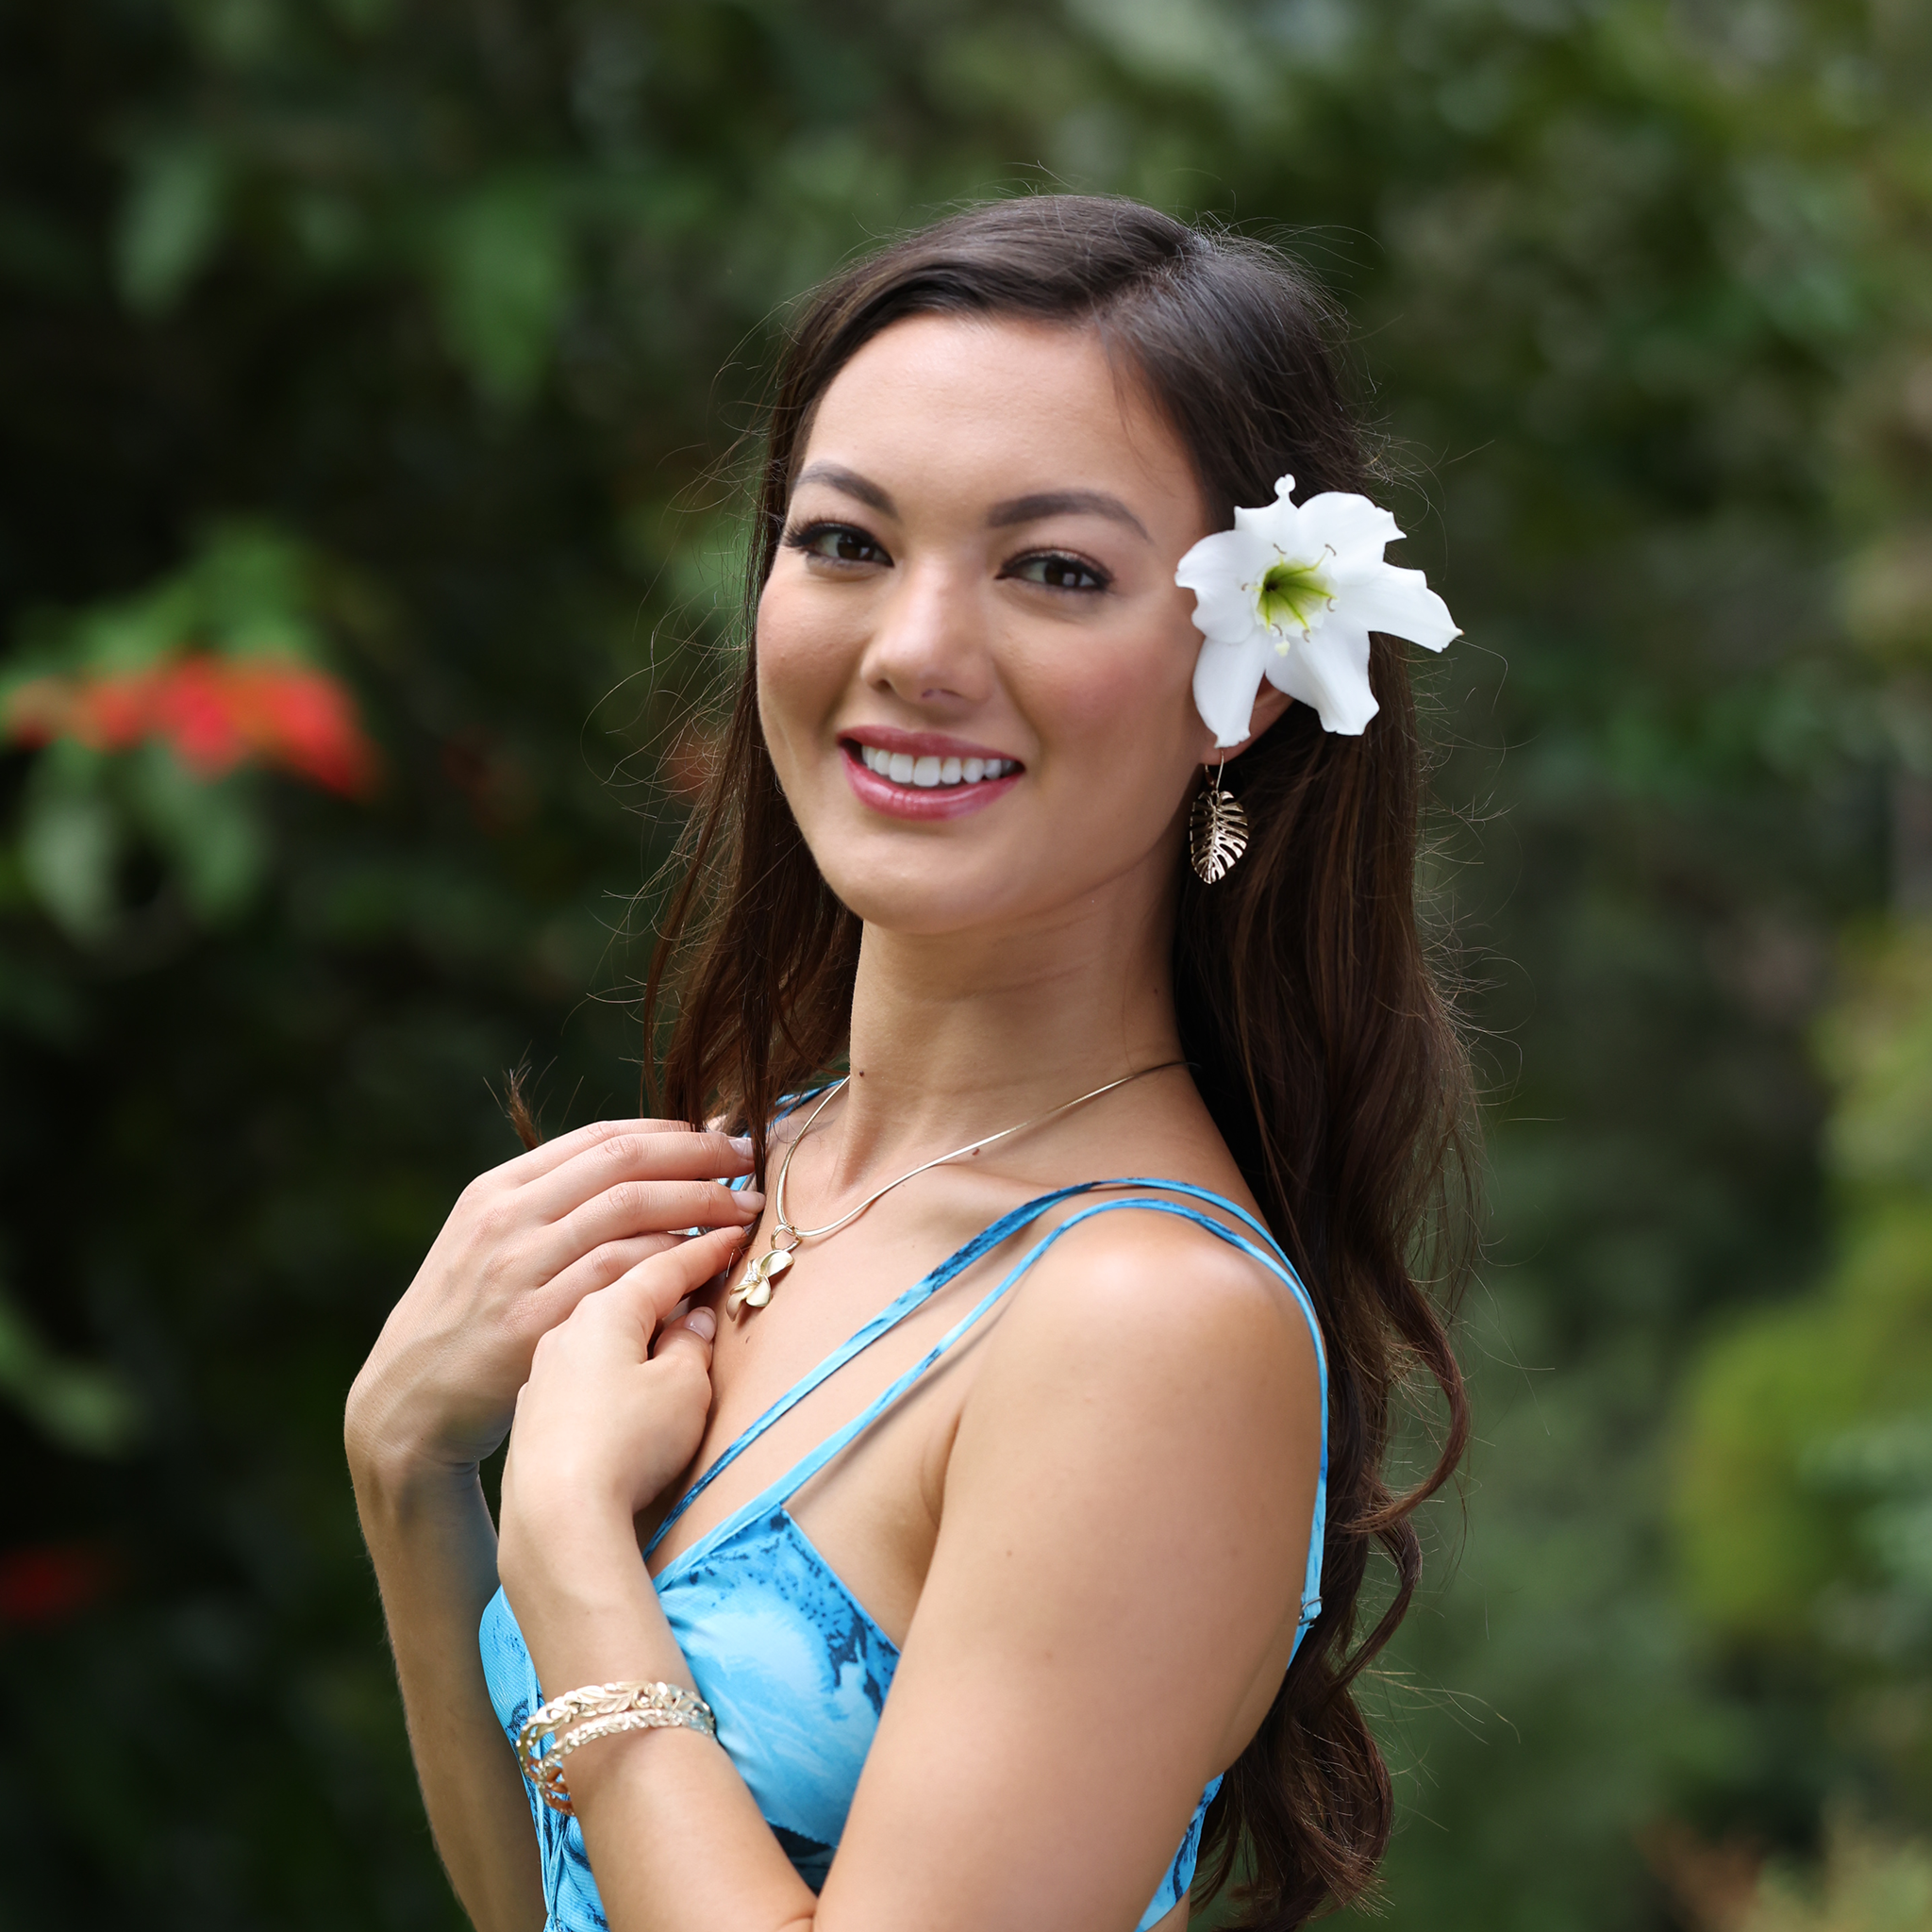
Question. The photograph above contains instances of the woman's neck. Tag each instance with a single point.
(962, 1035)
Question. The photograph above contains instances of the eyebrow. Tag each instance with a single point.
(1058, 503)
(849, 483)
(1017, 509)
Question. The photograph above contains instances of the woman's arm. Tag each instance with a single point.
(434, 1548)
(523, 1246)
(1110, 1606)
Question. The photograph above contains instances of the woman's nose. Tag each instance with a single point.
(930, 644)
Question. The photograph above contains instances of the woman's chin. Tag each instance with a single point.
(924, 908)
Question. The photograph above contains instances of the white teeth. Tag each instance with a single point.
(930, 771)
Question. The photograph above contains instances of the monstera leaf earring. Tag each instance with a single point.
(1290, 595)
(1217, 832)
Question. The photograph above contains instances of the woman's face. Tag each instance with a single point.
(975, 668)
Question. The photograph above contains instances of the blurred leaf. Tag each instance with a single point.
(172, 220)
(247, 588)
(71, 843)
(213, 833)
(505, 275)
(1870, 1883)
(1804, 1490)
(82, 1408)
(1879, 1047)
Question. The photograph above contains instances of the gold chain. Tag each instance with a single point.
(755, 1291)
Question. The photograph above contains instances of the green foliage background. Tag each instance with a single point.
(415, 334)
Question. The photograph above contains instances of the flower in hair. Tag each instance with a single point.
(1290, 594)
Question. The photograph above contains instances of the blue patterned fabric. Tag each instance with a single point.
(785, 1655)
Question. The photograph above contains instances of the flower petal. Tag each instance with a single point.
(1227, 680)
(1399, 602)
(1215, 570)
(1329, 670)
(1283, 506)
(1351, 527)
(1275, 526)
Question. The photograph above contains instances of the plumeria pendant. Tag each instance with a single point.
(755, 1291)
(1217, 833)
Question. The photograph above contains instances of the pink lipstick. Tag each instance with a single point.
(925, 775)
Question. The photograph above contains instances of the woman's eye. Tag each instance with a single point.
(836, 543)
(1057, 572)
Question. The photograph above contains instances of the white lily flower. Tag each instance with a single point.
(1291, 593)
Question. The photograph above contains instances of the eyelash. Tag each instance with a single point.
(1101, 580)
(810, 536)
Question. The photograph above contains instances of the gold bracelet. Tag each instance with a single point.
(601, 1710)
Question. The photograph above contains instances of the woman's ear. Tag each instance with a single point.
(1269, 705)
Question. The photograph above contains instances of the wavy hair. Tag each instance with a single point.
(1320, 1039)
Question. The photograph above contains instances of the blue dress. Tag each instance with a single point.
(786, 1656)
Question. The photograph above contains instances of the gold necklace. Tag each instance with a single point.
(755, 1291)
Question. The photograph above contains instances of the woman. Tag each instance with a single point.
(1071, 1463)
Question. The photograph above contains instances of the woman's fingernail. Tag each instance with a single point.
(751, 1200)
(743, 1144)
(702, 1323)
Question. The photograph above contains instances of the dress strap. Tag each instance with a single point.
(916, 1296)
(883, 1323)
(1269, 1255)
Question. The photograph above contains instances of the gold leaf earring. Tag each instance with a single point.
(1217, 832)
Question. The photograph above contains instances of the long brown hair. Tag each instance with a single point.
(1319, 1039)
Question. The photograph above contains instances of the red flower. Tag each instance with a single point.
(215, 712)
(48, 1583)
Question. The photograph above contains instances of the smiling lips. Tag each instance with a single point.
(923, 778)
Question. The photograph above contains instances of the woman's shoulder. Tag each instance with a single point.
(1149, 1380)
(1137, 1305)
(1139, 1249)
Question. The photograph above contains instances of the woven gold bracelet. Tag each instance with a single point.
(601, 1710)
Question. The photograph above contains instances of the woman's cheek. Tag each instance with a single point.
(803, 658)
(1122, 738)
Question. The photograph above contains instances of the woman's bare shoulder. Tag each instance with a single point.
(1149, 1312)
(1148, 1406)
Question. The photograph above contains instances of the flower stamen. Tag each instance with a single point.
(1293, 597)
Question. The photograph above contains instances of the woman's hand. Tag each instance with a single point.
(607, 1420)
(522, 1248)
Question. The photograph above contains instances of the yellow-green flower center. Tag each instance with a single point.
(1291, 594)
